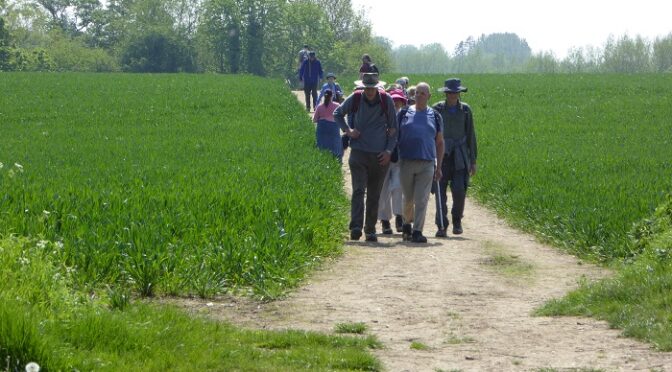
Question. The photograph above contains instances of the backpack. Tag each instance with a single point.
(355, 107)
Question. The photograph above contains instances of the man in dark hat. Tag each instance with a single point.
(311, 75)
(372, 139)
(459, 159)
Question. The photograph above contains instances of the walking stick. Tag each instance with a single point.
(439, 206)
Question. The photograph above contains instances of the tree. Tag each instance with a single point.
(626, 55)
(542, 63)
(662, 54)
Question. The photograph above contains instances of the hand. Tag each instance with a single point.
(353, 133)
(472, 170)
(384, 158)
(438, 174)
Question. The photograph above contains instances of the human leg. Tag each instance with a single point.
(359, 181)
(375, 178)
(458, 188)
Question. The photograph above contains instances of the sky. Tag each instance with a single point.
(553, 26)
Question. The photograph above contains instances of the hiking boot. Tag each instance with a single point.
(355, 234)
(387, 229)
(371, 237)
(441, 233)
(457, 226)
(406, 232)
(417, 237)
(398, 222)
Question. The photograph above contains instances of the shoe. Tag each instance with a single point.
(406, 232)
(371, 237)
(355, 234)
(441, 233)
(457, 226)
(387, 229)
(398, 222)
(417, 237)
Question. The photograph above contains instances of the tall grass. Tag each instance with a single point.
(179, 184)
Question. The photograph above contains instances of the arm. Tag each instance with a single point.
(340, 113)
(303, 67)
(316, 114)
(471, 142)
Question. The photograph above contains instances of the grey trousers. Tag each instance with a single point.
(367, 180)
(416, 183)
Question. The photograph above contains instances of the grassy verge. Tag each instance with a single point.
(43, 320)
(639, 298)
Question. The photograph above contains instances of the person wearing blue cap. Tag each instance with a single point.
(460, 153)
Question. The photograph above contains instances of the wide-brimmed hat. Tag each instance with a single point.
(453, 85)
(398, 94)
(369, 80)
(331, 74)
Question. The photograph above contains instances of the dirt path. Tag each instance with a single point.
(448, 295)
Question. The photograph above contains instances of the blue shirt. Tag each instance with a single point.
(417, 133)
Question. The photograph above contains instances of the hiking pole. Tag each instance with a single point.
(439, 206)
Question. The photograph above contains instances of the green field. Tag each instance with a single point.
(115, 186)
(575, 159)
(177, 184)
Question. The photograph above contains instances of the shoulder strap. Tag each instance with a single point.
(356, 101)
(383, 103)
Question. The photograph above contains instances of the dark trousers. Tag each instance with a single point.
(458, 181)
(310, 90)
(367, 180)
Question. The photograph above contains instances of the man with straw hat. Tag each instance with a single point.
(372, 140)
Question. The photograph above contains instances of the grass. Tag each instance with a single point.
(169, 184)
(638, 299)
(118, 187)
(354, 328)
(416, 345)
(507, 264)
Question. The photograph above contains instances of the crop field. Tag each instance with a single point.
(577, 159)
(175, 184)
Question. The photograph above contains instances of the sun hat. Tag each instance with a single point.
(369, 80)
(331, 74)
(398, 94)
(453, 85)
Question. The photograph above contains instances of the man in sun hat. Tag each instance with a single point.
(334, 86)
(460, 152)
(372, 139)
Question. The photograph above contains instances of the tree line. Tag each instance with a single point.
(508, 53)
(262, 37)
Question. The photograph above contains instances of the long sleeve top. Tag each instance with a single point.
(374, 125)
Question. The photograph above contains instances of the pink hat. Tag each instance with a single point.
(398, 94)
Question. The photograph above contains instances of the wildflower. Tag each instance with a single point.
(1, 165)
(59, 244)
(19, 167)
(42, 244)
(32, 367)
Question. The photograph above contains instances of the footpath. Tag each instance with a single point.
(468, 298)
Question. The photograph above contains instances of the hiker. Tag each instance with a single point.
(459, 159)
(367, 66)
(410, 94)
(390, 195)
(333, 86)
(370, 150)
(303, 56)
(311, 75)
(420, 140)
(327, 133)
